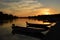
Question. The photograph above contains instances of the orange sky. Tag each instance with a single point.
(30, 7)
(46, 11)
(41, 11)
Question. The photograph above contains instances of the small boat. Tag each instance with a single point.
(34, 32)
(28, 29)
(37, 25)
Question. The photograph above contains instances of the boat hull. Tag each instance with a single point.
(28, 32)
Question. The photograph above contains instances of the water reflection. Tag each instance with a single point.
(5, 29)
(22, 22)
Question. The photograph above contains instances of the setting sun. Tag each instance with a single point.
(45, 11)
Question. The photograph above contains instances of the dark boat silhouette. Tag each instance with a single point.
(34, 32)
(28, 29)
(38, 25)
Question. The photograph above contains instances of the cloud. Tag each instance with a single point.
(20, 5)
(10, 1)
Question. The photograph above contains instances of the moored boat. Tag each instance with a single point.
(28, 29)
(34, 32)
(38, 25)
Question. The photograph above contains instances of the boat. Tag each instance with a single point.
(38, 25)
(34, 32)
(28, 29)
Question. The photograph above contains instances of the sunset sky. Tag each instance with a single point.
(30, 7)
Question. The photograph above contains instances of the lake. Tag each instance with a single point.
(5, 29)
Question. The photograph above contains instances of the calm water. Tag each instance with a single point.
(5, 29)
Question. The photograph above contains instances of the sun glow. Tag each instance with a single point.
(45, 11)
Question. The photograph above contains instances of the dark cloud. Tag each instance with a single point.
(20, 5)
(2, 6)
(10, 0)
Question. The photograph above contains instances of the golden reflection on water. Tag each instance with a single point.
(22, 22)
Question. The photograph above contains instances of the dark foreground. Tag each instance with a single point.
(53, 34)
